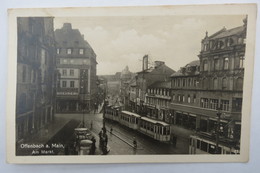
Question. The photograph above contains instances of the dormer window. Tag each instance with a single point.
(81, 51)
(69, 51)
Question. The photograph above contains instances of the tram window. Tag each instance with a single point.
(151, 127)
(212, 149)
(204, 146)
(198, 144)
(148, 126)
(136, 120)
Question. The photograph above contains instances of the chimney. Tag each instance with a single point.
(145, 62)
(67, 26)
(158, 63)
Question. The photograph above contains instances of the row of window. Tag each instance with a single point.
(182, 98)
(72, 61)
(64, 72)
(160, 102)
(221, 44)
(163, 92)
(216, 64)
(71, 84)
(190, 82)
(224, 83)
(69, 51)
(213, 104)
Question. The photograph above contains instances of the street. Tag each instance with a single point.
(120, 141)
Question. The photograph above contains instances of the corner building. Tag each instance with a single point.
(213, 85)
(76, 63)
(36, 71)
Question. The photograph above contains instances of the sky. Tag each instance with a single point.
(123, 40)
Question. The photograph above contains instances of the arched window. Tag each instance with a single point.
(215, 83)
(188, 98)
(216, 64)
(205, 83)
(226, 62)
(239, 83)
(205, 65)
(224, 83)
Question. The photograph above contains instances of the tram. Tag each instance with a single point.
(157, 130)
(201, 144)
(129, 119)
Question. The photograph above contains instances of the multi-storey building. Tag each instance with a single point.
(76, 63)
(209, 100)
(158, 100)
(35, 94)
(159, 73)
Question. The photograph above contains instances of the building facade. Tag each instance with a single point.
(36, 72)
(210, 100)
(76, 63)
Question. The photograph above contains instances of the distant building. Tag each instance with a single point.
(35, 94)
(76, 63)
(159, 73)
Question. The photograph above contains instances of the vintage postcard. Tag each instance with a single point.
(130, 84)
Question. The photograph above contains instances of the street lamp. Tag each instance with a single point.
(217, 130)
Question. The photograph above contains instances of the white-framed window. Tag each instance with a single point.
(71, 72)
(213, 103)
(58, 50)
(72, 84)
(81, 51)
(225, 105)
(64, 84)
(64, 72)
(241, 61)
(69, 51)
(188, 98)
(226, 62)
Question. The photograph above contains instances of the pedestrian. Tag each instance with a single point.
(91, 125)
(93, 146)
(111, 130)
(100, 139)
(135, 143)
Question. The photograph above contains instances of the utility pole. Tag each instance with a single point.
(217, 130)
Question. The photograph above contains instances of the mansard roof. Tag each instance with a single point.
(160, 84)
(226, 33)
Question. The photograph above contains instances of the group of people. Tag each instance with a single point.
(103, 139)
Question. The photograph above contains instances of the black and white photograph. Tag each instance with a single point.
(112, 84)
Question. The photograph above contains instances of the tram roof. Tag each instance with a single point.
(131, 113)
(154, 121)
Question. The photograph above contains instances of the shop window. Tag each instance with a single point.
(204, 146)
